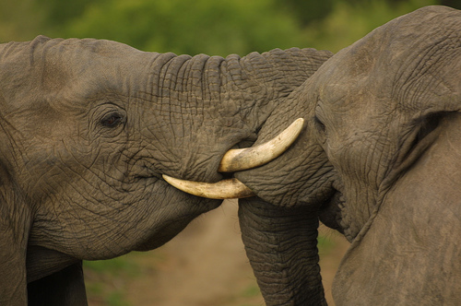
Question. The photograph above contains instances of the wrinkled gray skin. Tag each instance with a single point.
(279, 227)
(386, 112)
(88, 127)
(388, 117)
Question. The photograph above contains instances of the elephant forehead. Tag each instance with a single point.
(34, 74)
(399, 67)
(54, 61)
(408, 51)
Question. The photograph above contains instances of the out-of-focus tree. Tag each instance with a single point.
(451, 3)
(60, 12)
(205, 26)
(200, 26)
(307, 12)
(350, 21)
(19, 20)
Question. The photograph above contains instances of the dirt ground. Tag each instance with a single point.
(205, 265)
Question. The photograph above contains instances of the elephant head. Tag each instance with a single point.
(89, 127)
(388, 117)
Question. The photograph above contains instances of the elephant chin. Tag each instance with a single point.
(330, 213)
(238, 160)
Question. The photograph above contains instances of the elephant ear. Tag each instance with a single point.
(15, 221)
(408, 253)
(15, 213)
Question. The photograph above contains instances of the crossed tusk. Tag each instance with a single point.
(241, 159)
(225, 189)
(238, 160)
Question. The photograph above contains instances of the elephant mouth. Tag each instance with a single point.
(330, 213)
(238, 160)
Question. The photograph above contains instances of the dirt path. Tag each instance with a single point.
(206, 265)
(330, 257)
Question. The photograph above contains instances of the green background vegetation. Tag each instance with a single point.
(214, 27)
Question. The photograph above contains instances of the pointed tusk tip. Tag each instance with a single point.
(225, 189)
(242, 159)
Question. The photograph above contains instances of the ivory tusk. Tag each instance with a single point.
(225, 189)
(247, 158)
(237, 160)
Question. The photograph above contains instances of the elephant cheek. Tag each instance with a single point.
(281, 245)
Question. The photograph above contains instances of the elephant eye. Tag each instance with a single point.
(112, 120)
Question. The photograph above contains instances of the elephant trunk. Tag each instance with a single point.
(237, 160)
(281, 244)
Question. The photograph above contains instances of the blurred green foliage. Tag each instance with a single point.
(119, 265)
(106, 280)
(214, 27)
(348, 22)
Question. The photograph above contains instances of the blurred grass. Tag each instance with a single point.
(120, 265)
(106, 280)
(325, 244)
(251, 291)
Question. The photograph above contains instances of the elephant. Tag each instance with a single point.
(388, 118)
(377, 160)
(90, 128)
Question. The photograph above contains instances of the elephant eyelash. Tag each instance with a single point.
(112, 120)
